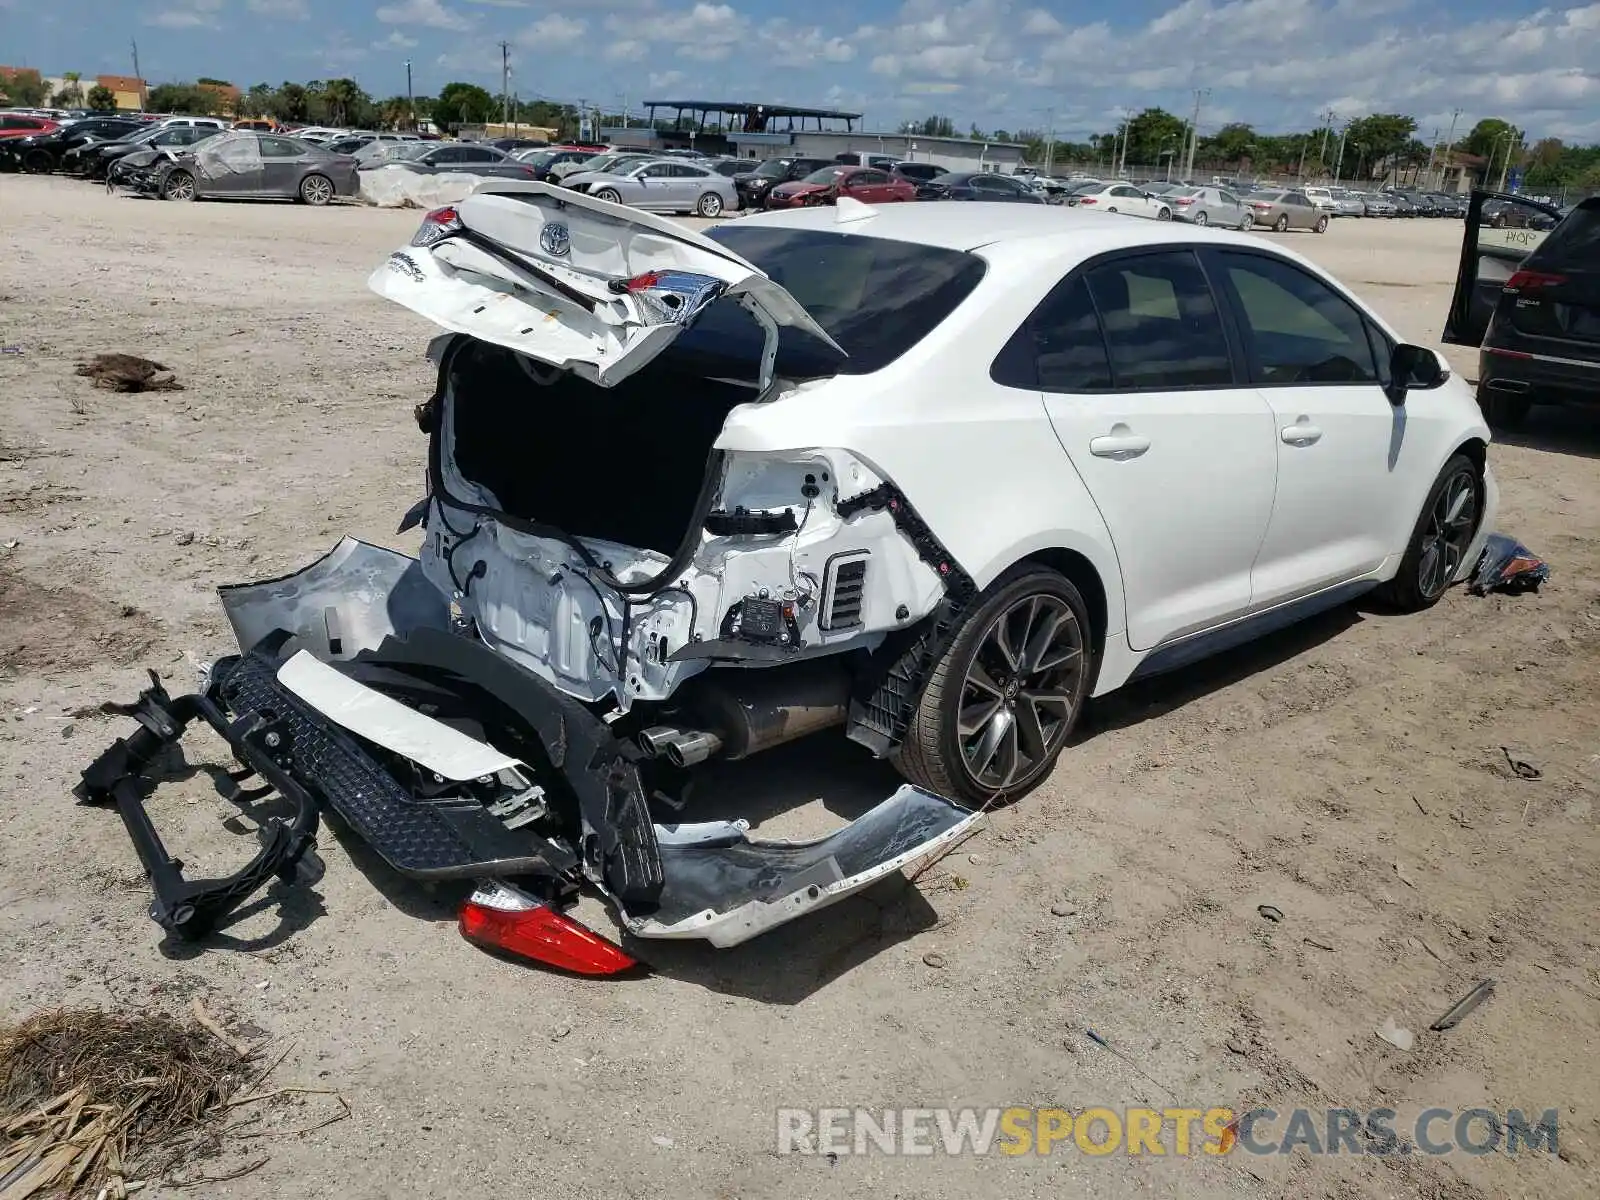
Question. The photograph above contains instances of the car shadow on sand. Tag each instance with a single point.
(1558, 430)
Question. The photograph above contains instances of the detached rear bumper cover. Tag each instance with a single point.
(299, 708)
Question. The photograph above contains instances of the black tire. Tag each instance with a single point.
(1424, 578)
(1322, 224)
(178, 186)
(1200, 218)
(38, 162)
(1163, 214)
(1282, 224)
(710, 205)
(610, 195)
(934, 754)
(1503, 411)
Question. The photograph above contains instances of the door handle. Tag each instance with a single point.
(1120, 444)
(1301, 433)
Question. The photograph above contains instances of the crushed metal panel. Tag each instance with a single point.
(347, 601)
(729, 889)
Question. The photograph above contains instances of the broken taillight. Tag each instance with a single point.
(499, 917)
(1523, 279)
(436, 226)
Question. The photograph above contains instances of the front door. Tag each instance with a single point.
(1138, 378)
(1343, 453)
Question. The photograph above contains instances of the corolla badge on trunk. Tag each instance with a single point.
(555, 239)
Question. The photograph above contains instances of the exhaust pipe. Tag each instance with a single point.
(735, 712)
(692, 748)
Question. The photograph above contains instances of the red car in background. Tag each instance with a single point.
(866, 184)
(15, 125)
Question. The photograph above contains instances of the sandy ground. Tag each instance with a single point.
(1349, 772)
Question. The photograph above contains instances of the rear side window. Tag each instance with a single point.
(877, 298)
(1060, 347)
(1297, 329)
(1162, 329)
(1575, 242)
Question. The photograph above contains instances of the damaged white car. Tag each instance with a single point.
(931, 476)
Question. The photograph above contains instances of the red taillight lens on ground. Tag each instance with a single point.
(1523, 279)
(499, 917)
(437, 225)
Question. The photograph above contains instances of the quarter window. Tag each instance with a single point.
(1297, 329)
(1162, 329)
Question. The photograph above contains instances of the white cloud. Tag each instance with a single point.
(430, 13)
(785, 44)
(395, 41)
(282, 10)
(627, 50)
(552, 32)
(666, 79)
(188, 14)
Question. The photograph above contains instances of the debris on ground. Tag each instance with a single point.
(1400, 1039)
(1507, 566)
(92, 1099)
(1270, 912)
(1457, 1012)
(129, 373)
(934, 959)
(1521, 767)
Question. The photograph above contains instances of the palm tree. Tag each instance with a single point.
(340, 95)
(72, 95)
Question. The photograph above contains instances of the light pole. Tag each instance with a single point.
(1338, 160)
(1512, 137)
(411, 100)
(1493, 149)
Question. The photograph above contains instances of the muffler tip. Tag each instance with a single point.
(691, 749)
(654, 741)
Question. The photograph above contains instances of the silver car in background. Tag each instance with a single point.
(1347, 203)
(665, 185)
(1209, 206)
(1376, 204)
(1287, 210)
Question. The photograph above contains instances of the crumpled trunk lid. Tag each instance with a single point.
(595, 288)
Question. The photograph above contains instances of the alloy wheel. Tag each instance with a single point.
(1200, 218)
(316, 190)
(1283, 224)
(1448, 533)
(180, 187)
(710, 205)
(1019, 692)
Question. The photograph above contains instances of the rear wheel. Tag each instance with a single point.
(1282, 224)
(1503, 411)
(1000, 704)
(316, 190)
(179, 186)
(1440, 540)
(1200, 218)
(710, 205)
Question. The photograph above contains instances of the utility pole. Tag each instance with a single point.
(411, 99)
(1300, 171)
(505, 83)
(1450, 145)
(1338, 161)
(1327, 127)
(136, 74)
(1200, 95)
(1049, 140)
(1512, 137)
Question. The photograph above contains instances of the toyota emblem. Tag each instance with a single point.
(555, 239)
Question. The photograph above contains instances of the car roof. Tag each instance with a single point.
(952, 227)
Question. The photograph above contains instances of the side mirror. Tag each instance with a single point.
(1414, 367)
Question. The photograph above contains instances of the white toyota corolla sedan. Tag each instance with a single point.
(932, 473)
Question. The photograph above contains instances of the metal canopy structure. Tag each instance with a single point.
(749, 118)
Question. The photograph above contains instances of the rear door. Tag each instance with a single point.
(1140, 382)
(1501, 231)
(282, 160)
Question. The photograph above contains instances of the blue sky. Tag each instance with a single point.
(998, 63)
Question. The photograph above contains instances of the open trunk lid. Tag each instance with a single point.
(595, 288)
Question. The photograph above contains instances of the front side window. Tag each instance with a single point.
(1297, 329)
(1161, 324)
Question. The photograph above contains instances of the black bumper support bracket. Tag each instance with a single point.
(188, 908)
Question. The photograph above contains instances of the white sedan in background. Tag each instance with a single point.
(1124, 198)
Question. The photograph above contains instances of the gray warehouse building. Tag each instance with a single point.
(758, 131)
